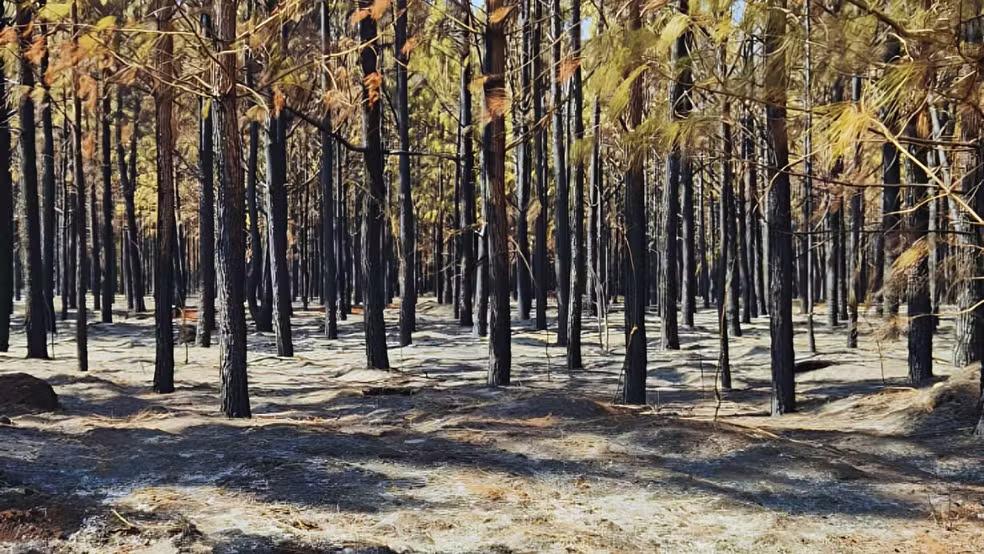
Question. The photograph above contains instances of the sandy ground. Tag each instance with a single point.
(425, 458)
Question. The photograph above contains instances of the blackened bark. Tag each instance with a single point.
(128, 188)
(48, 233)
(329, 273)
(524, 277)
(467, 188)
(578, 269)
(276, 209)
(726, 259)
(562, 231)
(78, 219)
(540, 278)
(408, 243)
(780, 226)
(206, 216)
(166, 247)
(888, 242)
(495, 178)
(920, 305)
(6, 211)
(234, 390)
(856, 250)
(254, 273)
(35, 317)
(634, 264)
(677, 167)
(109, 243)
(374, 195)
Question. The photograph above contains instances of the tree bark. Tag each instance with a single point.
(234, 390)
(495, 176)
(35, 317)
(276, 209)
(108, 212)
(634, 264)
(166, 247)
(329, 273)
(578, 269)
(408, 243)
(780, 226)
(677, 171)
(6, 212)
(206, 215)
(373, 197)
(562, 232)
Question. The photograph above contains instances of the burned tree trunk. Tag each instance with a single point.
(233, 390)
(373, 197)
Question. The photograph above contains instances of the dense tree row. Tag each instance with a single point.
(647, 158)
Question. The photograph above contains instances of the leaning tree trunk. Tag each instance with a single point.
(373, 197)
(408, 246)
(206, 217)
(780, 225)
(35, 319)
(634, 264)
(164, 270)
(233, 390)
(495, 177)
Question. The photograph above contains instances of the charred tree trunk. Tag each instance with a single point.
(329, 273)
(857, 261)
(109, 242)
(495, 178)
(48, 233)
(524, 277)
(6, 211)
(677, 171)
(233, 390)
(373, 197)
(562, 231)
(206, 217)
(78, 221)
(128, 188)
(540, 278)
(780, 225)
(578, 269)
(467, 189)
(35, 317)
(276, 209)
(634, 264)
(920, 304)
(408, 243)
(166, 247)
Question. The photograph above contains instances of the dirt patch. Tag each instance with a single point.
(21, 393)
(29, 515)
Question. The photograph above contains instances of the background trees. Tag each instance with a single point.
(765, 162)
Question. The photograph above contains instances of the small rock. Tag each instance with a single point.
(4, 420)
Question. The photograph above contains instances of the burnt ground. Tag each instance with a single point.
(425, 458)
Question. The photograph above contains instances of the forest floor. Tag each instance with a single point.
(425, 458)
